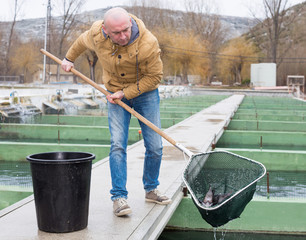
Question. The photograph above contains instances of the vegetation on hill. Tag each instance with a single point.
(194, 42)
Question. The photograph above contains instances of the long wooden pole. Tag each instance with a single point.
(122, 104)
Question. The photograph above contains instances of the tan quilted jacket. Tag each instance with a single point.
(120, 63)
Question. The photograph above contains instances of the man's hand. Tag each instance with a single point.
(117, 95)
(66, 65)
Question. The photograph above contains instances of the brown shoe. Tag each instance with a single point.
(156, 197)
(121, 208)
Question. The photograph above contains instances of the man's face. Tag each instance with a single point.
(119, 31)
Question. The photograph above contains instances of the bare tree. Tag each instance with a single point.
(92, 60)
(235, 60)
(24, 59)
(2, 49)
(201, 18)
(150, 12)
(17, 7)
(68, 10)
(279, 33)
(275, 33)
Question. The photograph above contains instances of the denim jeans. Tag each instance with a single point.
(146, 104)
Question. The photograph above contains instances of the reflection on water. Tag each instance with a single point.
(15, 182)
(15, 174)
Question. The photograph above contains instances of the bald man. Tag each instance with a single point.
(132, 71)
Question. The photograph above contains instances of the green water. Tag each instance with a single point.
(10, 197)
(287, 184)
(15, 182)
(17, 176)
(63, 141)
(283, 184)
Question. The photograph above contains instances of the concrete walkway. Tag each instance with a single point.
(147, 220)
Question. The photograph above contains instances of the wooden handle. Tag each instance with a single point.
(119, 102)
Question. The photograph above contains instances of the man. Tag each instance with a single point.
(132, 71)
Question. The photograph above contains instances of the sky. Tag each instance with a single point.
(38, 8)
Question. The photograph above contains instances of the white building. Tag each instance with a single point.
(263, 74)
(51, 75)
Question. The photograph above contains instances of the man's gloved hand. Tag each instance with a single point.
(67, 65)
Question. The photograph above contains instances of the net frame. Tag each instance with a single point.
(231, 208)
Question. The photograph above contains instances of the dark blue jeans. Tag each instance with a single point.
(146, 104)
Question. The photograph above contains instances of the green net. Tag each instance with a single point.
(221, 184)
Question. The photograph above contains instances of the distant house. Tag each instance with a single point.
(173, 80)
(51, 75)
(194, 79)
(177, 80)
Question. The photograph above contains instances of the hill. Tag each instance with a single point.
(35, 28)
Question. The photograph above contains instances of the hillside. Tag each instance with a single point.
(293, 23)
(35, 28)
(289, 36)
(288, 51)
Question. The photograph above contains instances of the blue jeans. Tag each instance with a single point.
(146, 104)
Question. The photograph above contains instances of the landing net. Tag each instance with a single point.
(225, 178)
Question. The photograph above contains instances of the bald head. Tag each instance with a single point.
(116, 14)
(117, 25)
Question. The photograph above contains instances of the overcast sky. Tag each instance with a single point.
(37, 8)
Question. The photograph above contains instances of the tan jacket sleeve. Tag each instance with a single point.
(83, 42)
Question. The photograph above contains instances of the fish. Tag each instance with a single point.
(212, 199)
(208, 199)
(219, 198)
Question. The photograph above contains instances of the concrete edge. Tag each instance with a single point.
(166, 217)
(279, 199)
(159, 215)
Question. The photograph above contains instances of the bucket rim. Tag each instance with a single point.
(87, 156)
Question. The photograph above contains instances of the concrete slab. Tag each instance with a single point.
(147, 220)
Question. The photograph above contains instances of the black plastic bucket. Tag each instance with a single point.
(61, 184)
